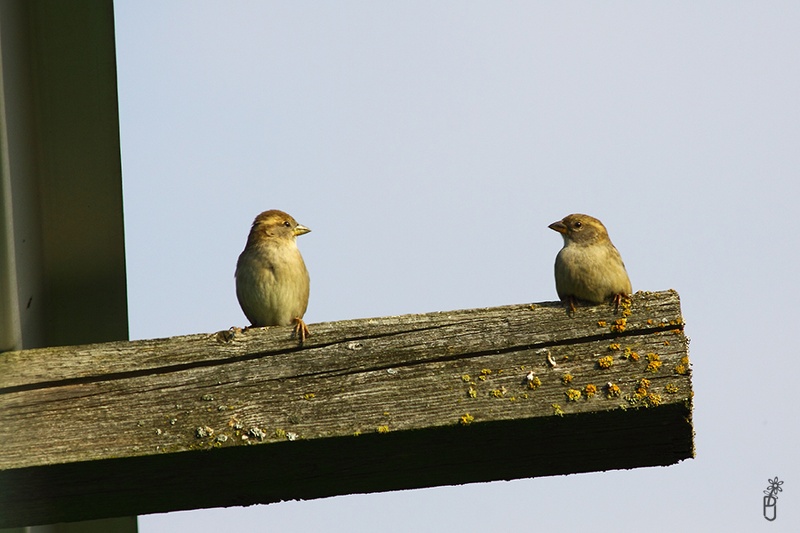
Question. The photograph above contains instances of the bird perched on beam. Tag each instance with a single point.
(272, 281)
(588, 267)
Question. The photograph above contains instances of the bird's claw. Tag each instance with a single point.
(621, 299)
(300, 329)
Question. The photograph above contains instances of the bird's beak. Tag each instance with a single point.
(559, 227)
(300, 230)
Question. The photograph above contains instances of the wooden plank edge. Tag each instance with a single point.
(479, 452)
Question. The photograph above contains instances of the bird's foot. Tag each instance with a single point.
(300, 329)
(570, 303)
(623, 301)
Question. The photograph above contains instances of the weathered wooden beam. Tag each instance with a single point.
(238, 418)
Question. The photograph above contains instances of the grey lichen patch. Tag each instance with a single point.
(202, 432)
(257, 433)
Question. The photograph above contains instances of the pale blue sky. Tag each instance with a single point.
(428, 145)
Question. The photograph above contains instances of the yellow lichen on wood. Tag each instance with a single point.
(573, 395)
(613, 390)
(605, 362)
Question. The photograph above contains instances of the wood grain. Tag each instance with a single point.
(236, 418)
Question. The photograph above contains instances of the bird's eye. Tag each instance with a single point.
(287, 224)
(578, 224)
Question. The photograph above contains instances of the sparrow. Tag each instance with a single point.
(588, 267)
(272, 281)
